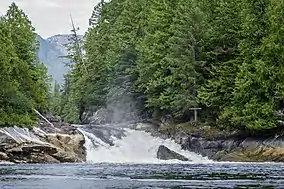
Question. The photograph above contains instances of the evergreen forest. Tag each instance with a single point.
(154, 59)
(24, 83)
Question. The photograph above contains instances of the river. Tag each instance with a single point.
(120, 157)
(114, 176)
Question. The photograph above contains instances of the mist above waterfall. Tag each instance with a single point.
(122, 105)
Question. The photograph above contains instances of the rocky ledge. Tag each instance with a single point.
(220, 145)
(42, 144)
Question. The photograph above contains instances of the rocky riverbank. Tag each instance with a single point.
(42, 144)
(221, 145)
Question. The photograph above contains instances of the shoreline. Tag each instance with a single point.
(223, 146)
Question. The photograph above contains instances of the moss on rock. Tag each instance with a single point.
(260, 154)
(198, 129)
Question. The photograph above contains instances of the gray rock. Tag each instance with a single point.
(166, 120)
(274, 143)
(53, 119)
(250, 143)
(181, 138)
(99, 117)
(230, 144)
(165, 153)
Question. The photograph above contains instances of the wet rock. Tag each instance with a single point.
(32, 153)
(6, 142)
(259, 154)
(99, 117)
(236, 147)
(64, 156)
(39, 146)
(63, 128)
(72, 145)
(106, 133)
(53, 119)
(274, 143)
(3, 156)
(181, 138)
(40, 158)
(166, 120)
(230, 144)
(165, 153)
(250, 143)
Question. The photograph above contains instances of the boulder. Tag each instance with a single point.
(165, 153)
(3, 156)
(72, 145)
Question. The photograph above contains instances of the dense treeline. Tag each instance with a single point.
(23, 79)
(172, 55)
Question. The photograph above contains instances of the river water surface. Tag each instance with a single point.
(119, 157)
(113, 176)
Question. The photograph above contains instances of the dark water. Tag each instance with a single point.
(113, 176)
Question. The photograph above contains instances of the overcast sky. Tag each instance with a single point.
(51, 17)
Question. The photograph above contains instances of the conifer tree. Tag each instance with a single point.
(96, 14)
(75, 87)
(152, 50)
(15, 108)
(31, 75)
(181, 63)
(220, 54)
(252, 106)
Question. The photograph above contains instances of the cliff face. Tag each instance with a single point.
(52, 52)
(225, 146)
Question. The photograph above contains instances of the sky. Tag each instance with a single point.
(51, 17)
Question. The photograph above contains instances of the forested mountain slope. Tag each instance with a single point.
(224, 56)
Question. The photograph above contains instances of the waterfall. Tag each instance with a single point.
(134, 147)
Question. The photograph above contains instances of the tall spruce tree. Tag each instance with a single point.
(25, 82)
(15, 108)
(182, 61)
(252, 106)
(74, 96)
(101, 54)
(220, 54)
(31, 75)
(152, 49)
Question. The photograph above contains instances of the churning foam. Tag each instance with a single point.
(135, 147)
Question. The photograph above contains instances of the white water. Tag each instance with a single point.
(136, 147)
(20, 135)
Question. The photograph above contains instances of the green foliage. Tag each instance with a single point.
(180, 65)
(221, 52)
(55, 106)
(24, 81)
(224, 56)
(74, 96)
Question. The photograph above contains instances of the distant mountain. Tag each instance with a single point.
(51, 53)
